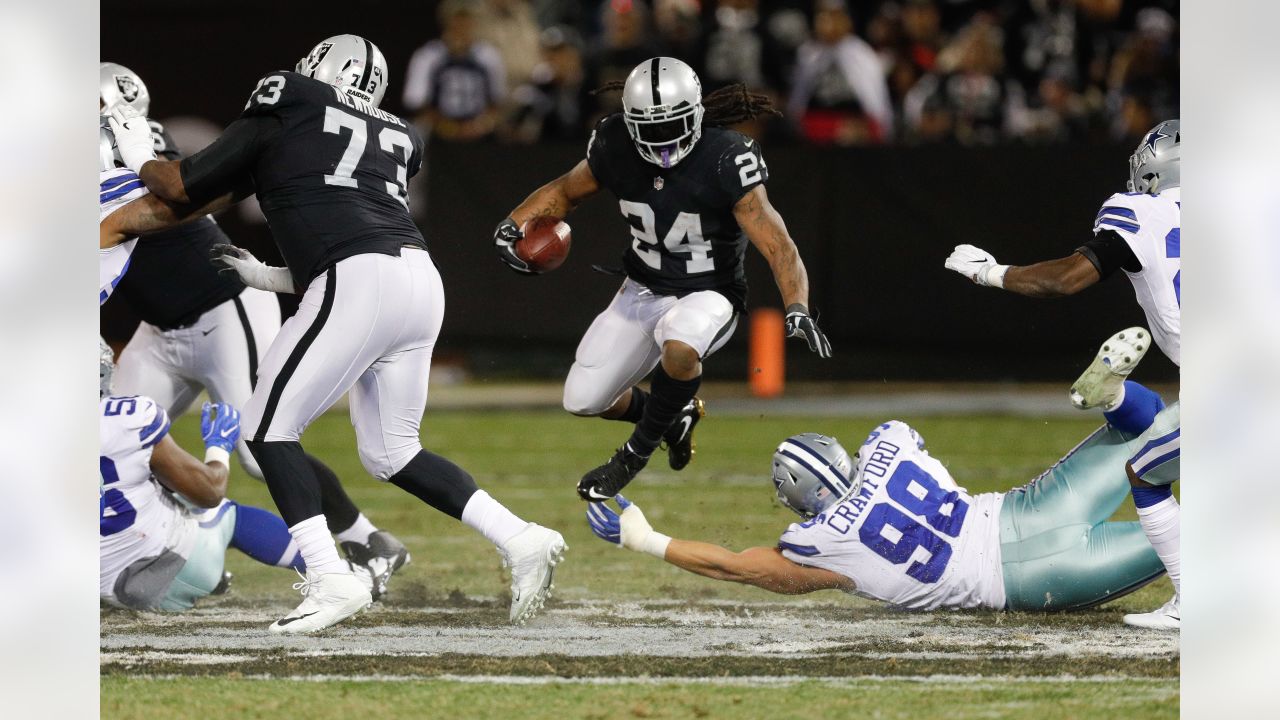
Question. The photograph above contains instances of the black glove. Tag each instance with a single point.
(505, 238)
(799, 324)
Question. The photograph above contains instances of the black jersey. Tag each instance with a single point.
(331, 172)
(171, 282)
(685, 237)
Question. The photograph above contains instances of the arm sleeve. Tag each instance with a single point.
(1109, 252)
(225, 165)
(742, 168)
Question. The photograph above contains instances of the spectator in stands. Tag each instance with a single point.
(623, 45)
(1144, 75)
(969, 85)
(509, 26)
(679, 27)
(454, 85)
(839, 94)
(549, 106)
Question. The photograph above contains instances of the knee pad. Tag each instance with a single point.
(382, 463)
(695, 321)
(582, 396)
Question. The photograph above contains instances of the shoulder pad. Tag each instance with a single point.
(276, 90)
(139, 418)
(1121, 212)
(741, 166)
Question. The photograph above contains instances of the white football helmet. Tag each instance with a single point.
(811, 472)
(1157, 163)
(662, 107)
(348, 62)
(106, 367)
(117, 85)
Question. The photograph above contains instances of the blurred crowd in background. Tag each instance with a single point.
(844, 72)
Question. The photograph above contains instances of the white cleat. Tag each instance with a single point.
(1103, 380)
(532, 556)
(1168, 617)
(327, 600)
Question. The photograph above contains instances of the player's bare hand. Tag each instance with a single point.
(133, 136)
(800, 324)
(976, 264)
(505, 238)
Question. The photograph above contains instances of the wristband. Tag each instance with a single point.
(995, 275)
(655, 544)
(213, 453)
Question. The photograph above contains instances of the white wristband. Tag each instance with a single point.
(655, 543)
(995, 275)
(213, 453)
(137, 156)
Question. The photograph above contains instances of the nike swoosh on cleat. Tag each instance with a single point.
(687, 421)
(597, 496)
(286, 621)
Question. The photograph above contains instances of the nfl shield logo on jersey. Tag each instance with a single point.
(658, 183)
(128, 88)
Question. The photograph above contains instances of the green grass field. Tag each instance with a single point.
(610, 643)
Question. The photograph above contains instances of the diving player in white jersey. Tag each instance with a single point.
(1139, 232)
(891, 524)
(165, 523)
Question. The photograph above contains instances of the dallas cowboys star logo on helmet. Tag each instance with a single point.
(1154, 136)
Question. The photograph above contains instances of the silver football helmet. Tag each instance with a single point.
(106, 367)
(348, 62)
(812, 472)
(117, 85)
(1157, 163)
(662, 107)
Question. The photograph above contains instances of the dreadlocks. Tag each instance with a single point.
(729, 105)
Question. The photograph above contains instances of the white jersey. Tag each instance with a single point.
(910, 536)
(139, 518)
(117, 187)
(1152, 225)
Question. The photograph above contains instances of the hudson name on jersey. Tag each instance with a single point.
(685, 237)
(117, 187)
(910, 536)
(331, 172)
(140, 519)
(1151, 225)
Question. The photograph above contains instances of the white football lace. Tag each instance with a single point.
(305, 586)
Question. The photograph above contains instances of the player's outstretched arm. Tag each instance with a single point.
(203, 483)
(149, 214)
(762, 567)
(1048, 279)
(767, 231)
(556, 199)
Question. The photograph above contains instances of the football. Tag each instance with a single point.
(545, 244)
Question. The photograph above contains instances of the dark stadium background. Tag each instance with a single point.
(873, 224)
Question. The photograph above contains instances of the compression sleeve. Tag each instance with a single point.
(1109, 252)
(226, 164)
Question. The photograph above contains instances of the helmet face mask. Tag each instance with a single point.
(349, 63)
(1156, 164)
(118, 85)
(812, 472)
(662, 109)
(106, 368)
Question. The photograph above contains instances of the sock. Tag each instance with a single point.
(1135, 409)
(437, 482)
(290, 478)
(491, 519)
(316, 546)
(263, 536)
(359, 531)
(667, 397)
(1160, 516)
(635, 410)
(338, 509)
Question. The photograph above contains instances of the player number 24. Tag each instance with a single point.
(685, 236)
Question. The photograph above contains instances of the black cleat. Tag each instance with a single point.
(382, 557)
(679, 437)
(608, 480)
(223, 585)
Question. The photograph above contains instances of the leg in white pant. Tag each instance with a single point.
(145, 368)
(616, 352)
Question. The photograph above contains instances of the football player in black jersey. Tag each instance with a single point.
(692, 191)
(331, 171)
(204, 330)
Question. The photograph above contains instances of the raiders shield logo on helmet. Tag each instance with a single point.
(127, 87)
(317, 56)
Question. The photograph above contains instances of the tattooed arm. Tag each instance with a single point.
(559, 197)
(148, 214)
(767, 231)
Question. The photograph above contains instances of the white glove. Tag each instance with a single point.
(977, 265)
(638, 534)
(133, 136)
(252, 271)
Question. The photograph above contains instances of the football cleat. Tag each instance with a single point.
(1167, 617)
(679, 437)
(532, 556)
(1102, 381)
(381, 557)
(223, 585)
(608, 480)
(327, 600)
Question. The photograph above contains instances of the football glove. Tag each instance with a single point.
(630, 529)
(252, 271)
(220, 428)
(133, 136)
(799, 324)
(505, 238)
(978, 265)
